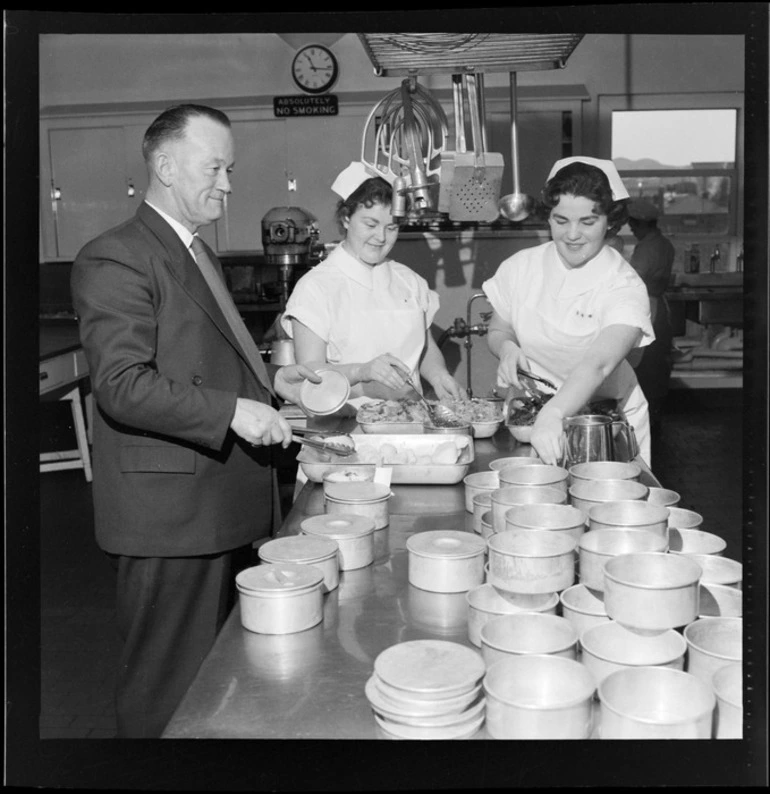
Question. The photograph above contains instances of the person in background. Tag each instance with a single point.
(361, 312)
(653, 260)
(572, 309)
(185, 417)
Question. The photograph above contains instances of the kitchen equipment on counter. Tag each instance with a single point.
(531, 562)
(546, 518)
(664, 497)
(367, 499)
(651, 591)
(477, 175)
(445, 561)
(282, 352)
(354, 534)
(682, 518)
(485, 603)
(605, 470)
(713, 643)
(280, 598)
(539, 697)
(446, 175)
(545, 476)
(527, 633)
(510, 496)
(321, 553)
(587, 494)
(413, 458)
(635, 514)
(718, 570)
(609, 647)
(352, 474)
(583, 607)
(655, 703)
(482, 503)
(695, 541)
(728, 687)
(487, 527)
(289, 238)
(521, 460)
(326, 397)
(597, 547)
(591, 437)
(515, 206)
(720, 601)
(477, 483)
(442, 614)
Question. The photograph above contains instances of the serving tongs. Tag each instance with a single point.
(440, 415)
(533, 392)
(337, 444)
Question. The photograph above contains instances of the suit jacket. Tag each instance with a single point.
(170, 477)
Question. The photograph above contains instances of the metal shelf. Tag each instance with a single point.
(404, 54)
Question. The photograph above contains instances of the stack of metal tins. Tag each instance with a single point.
(428, 689)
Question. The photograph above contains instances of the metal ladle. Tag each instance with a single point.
(440, 415)
(515, 206)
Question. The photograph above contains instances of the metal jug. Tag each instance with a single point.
(591, 437)
(282, 352)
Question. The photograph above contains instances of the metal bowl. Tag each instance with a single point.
(598, 546)
(541, 476)
(713, 643)
(651, 591)
(682, 518)
(485, 429)
(605, 470)
(479, 482)
(633, 514)
(695, 541)
(546, 517)
(510, 496)
(585, 494)
(664, 497)
(516, 460)
(583, 607)
(539, 697)
(485, 603)
(728, 687)
(718, 570)
(609, 647)
(720, 601)
(526, 633)
(655, 703)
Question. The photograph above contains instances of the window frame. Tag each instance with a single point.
(608, 103)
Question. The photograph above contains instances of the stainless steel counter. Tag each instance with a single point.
(310, 685)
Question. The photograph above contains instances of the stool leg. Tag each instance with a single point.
(80, 432)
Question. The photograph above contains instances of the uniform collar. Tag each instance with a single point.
(357, 271)
(564, 282)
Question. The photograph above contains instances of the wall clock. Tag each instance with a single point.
(314, 68)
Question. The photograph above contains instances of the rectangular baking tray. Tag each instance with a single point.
(315, 464)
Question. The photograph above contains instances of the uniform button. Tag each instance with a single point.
(197, 380)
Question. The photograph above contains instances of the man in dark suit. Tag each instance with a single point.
(185, 418)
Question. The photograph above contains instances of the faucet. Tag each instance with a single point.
(463, 328)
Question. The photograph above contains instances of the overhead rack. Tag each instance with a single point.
(405, 54)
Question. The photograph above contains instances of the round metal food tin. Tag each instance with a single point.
(477, 483)
(630, 514)
(325, 397)
(446, 561)
(322, 553)
(482, 503)
(368, 499)
(280, 598)
(354, 535)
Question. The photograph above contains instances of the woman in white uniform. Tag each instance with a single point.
(360, 312)
(573, 309)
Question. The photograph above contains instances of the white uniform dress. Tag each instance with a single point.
(557, 313)
(362, 312)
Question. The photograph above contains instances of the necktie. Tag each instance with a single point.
(224, 299)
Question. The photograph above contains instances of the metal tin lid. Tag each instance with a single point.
(276, 578)
(298, 548)
(327, 396)
(430, 666)
(446, 543)
(340, 525)
(357, 491)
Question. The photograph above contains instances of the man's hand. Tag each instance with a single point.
(288, 380)
(260, 424)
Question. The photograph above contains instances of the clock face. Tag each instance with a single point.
(314, 69)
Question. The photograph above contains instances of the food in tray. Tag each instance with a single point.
(523, 411)
(403, 410)
(395, 453)
(391, 411)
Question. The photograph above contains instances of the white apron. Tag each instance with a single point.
(553, 354)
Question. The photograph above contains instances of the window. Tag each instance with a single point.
(682, 153)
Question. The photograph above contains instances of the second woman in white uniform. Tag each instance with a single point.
(571, 310)
(360, 312)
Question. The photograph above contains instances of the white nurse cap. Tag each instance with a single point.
(619, 191)
(352, 177)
